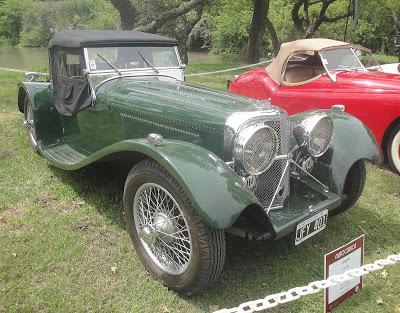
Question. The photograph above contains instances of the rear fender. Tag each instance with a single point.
(352, 141)
(40, 94)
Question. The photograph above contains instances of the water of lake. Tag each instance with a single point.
(23, 58)
(36, 58)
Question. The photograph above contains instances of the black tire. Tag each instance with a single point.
(208, 244)
(392, 150)
(30, 124)
(353, 188)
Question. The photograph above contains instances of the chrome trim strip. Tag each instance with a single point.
(283, 157)
(279, 184)
(132, 75)
(236, 120)
(132, 70)
(358, 59)
(86, 56)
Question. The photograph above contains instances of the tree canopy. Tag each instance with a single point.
(247, 28)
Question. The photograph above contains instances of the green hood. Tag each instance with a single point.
(179, 102)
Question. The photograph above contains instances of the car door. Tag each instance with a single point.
(71, 91)
(296, 98)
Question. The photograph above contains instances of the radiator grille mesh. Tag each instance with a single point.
(268, 181)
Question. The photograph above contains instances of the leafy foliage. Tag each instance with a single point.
(224, 26)
(10, 22)
(232, 22)
(32, 24)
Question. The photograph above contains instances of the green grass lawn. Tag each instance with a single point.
(64, 246)
(383, 58)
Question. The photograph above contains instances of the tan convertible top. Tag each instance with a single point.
(303, 45)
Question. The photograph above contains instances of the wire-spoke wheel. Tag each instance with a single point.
(29, 123)
(393, 150)
(162, 228)
(171, 239)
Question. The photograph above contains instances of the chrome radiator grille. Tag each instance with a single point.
(267, 182)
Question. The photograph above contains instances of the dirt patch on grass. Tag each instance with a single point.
(61, 206)
(86, 223)
(13, 211)
(5, 111)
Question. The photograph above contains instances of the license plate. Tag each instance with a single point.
(311, 226)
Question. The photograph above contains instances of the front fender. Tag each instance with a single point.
(352, 141)
(216, 192)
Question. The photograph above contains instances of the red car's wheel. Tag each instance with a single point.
(393, 149)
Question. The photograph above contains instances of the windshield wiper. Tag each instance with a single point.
(111, 65)
(148, 62)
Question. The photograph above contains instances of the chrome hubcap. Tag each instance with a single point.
(162, 228)
(165, 227)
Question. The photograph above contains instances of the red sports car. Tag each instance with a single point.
(319, 73)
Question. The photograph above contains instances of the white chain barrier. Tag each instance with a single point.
(312, 288)
(188, 75)
(229, 69)
(20, 71)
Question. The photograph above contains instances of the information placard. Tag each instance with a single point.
(339, 261)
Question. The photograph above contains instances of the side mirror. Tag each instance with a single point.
(31, 76)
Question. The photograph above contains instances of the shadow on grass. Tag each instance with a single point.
(252, 269)
(100, 185)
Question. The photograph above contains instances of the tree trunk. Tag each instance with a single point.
(182, 35)
(257, 30)
(304, 26)
(274, 37)
(156, 24)
(127, 13)
(297, 21)
(395, 18)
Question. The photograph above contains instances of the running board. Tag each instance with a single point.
(62, 154)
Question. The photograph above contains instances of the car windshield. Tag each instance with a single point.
(128, 58)
(348, 59)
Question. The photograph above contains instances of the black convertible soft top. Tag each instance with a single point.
(91, 38)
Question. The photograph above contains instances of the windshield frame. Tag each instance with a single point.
(333, 73)
(131, 70)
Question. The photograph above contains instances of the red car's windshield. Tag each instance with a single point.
(348, 59)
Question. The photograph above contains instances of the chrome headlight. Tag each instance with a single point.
(315, 133)
(255, 148)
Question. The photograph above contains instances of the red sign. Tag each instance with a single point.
(337, 262)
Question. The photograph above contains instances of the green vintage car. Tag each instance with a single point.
(204, 162)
